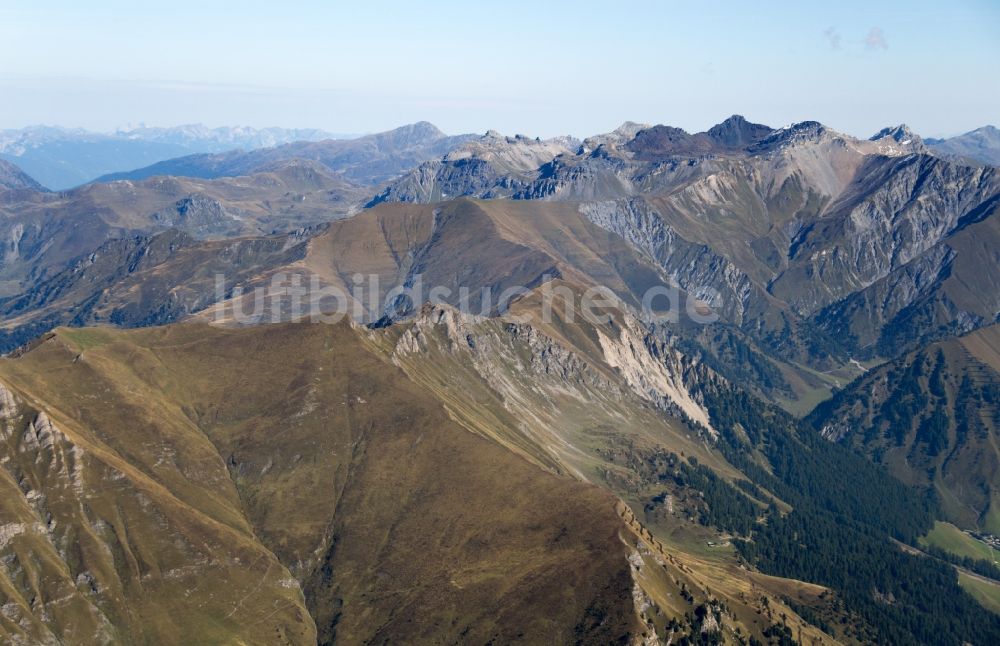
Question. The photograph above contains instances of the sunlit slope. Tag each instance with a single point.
(309, 487)
(297, 443)
(120, 522)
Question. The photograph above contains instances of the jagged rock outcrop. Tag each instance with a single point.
(202, 216)
(515, 358)
(489, 167)
(896, 210)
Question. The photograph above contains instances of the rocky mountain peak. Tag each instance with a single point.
(630, 128)
(737, 132)
(733, 134)
(420, 133)
(898, 140)
(513, 154)
(617, 137)
(423, 128)
(669, 141)
(804, 131)
(900, 133)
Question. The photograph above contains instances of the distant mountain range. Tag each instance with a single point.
(61, 158)
(981, 145)
(368, 160)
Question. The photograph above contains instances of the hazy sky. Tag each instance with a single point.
(543, 67)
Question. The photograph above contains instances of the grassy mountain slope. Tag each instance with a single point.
(443, 498)
(931, 418)
(330, 461)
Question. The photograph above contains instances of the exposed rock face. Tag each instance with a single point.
(8, 403)
(627, 362)
(204, 217)
(491, 166)
(616, 138)
(902, 137)
(655, 373)
(864, 315)
(898, 209)
(696, 268)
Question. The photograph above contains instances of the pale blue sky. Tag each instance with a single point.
(538, 68)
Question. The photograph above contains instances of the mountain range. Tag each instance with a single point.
(62, 158)
(370, 159)
(187, 460)
(981, 145)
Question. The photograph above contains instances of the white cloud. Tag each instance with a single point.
(832, 37)
(876, 39)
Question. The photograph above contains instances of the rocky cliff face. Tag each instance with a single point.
(897, 209)
(696, 268)
(490, 166)
(552, 391)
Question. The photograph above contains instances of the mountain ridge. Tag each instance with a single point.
(14, 179)
(369, 159)
(981, 145)
(63, 158)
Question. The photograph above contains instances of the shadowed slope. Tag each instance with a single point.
(932, 418)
